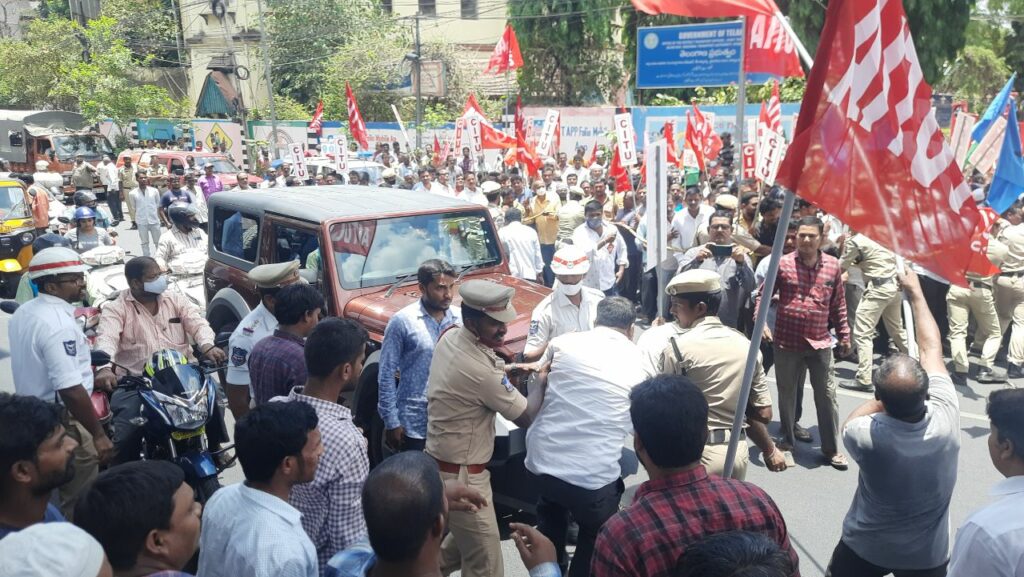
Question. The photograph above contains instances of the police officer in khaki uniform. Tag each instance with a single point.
(466, 388)
(881, 300)
(979, 300)
(1009, 288)
(714, 357)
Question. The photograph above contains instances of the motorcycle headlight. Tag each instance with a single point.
(27, 238)
(185, 413)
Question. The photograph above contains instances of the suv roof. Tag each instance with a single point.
(323, 203)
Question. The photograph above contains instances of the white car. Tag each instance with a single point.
(321, 164)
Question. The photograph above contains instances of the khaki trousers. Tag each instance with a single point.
(1010, 306)
(789, 368)
(131, 205)
(713, 459)
(879, 302)
(86, 464)
(473, 543)
(960, 304)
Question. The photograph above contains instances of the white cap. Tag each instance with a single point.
(48, 549)
(489, 186)
(42, 165)
(55, 260)
(570, 260)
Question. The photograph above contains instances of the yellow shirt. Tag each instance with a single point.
(543, 215)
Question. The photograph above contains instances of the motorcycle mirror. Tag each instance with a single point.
(9, 306)
(99, 358)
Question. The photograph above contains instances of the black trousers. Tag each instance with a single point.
(846, 563)
(410, 444)
(114, 202)
(126, 406)
(590, 509)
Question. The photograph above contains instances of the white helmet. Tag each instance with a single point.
(55, 260)
(42, 165)
(570, 260)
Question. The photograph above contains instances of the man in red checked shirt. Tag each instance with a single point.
(810, 295)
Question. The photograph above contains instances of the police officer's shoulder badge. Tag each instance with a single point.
(238, 356)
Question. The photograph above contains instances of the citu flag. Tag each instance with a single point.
(619, 172)
(506, 55)
(868, 149)
(768, 48)
(356, 126)
(693, 142)
(437, 151)
(317, 123)
(670, 140)
(774, 109)
(980, 264)
(762, 123)
(489, 135)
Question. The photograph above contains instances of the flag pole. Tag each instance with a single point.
(800, 48)
(741, 89)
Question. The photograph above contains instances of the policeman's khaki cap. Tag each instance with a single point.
(694, 281)
(727, 201)
(42, 165)
(490, 186)
(570, 260)
(490, 298)
(268, 276)
(388, 173)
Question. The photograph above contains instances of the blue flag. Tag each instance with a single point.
(995, 110)
(1008, 181)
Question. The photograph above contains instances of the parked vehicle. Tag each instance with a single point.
(17, 231)
(364, 246)
(164, 162)
(56, 136)
(323, 164)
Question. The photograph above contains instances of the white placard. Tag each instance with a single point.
(626, 140)
(547, 133)
(960, 138)
(298, 161)
(460, 133)
(341, 155)
(657, 200)
(475, 138)
(769, 157)
(984, 156)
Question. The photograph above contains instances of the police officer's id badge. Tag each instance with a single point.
(238, 356)
(508, 384)
(71, 348)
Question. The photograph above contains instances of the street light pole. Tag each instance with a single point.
(419, 86)
(270, 87)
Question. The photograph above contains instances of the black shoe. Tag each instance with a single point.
(134, 226)
(1015, 372)
(959, 379)
(855, 386)
(987, 375)
(801, 434)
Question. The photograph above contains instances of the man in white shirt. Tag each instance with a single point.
(686, 222)
(472, 193)
(991, 541)
(50, 360)
(571, 308)
(607, 251)
(146, 201)
(575, 442)
(109, 179)
(523, 247)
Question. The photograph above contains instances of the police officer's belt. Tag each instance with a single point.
(1012, 274)
(720, 436)
(454, 469)
(879, 281)
(980, 285)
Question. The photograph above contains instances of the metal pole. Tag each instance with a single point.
(800, 48)
(419, 86)
(266, 78)
(178, 33)
(759, 324)
(741, 91)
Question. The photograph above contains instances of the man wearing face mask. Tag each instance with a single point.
(144, 319)
(571, 308)
(599, 239)
(186, 235)
(542, 214)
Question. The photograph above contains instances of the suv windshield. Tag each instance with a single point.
(91, 147)
(378, 252)
(12, 203)
(220, 165)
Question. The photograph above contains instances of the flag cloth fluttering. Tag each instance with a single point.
(868, 149)
(995, 109)
(1008, 181)
(356, 126)
(506, 56)
(317, 123)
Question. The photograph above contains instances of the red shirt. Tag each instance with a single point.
(809, 299)
(647, 539)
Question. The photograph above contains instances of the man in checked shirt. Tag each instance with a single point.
(810, 294)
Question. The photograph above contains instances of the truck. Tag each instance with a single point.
(56, 136)
(363, 245)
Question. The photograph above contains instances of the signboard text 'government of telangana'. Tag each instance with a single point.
(689, 55)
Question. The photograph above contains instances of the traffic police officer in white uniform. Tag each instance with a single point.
(50, 360)
(256, 325)
(571, 308)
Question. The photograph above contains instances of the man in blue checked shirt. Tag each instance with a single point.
(406, 353)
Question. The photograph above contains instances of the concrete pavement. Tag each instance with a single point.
(813, 497)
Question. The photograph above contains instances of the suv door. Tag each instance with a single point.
(286, 239)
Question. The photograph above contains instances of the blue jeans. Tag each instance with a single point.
(547, 252)
(612, 292)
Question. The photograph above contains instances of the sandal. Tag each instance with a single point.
(839, 462)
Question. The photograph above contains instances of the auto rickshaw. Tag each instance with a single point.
(17, 231)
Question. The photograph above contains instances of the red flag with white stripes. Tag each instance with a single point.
(670, 140)
(774, 110)
(356, 126)
(317, 123)
(980, 263)
(506, 55)
(868, 149)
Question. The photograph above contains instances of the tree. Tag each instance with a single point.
(285, 108)
(976, 76)
(148, 27)
(572, 50)
(305, 34)
(939, 28)
(31, 68)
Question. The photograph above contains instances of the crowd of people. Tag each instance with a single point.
(612, 362)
